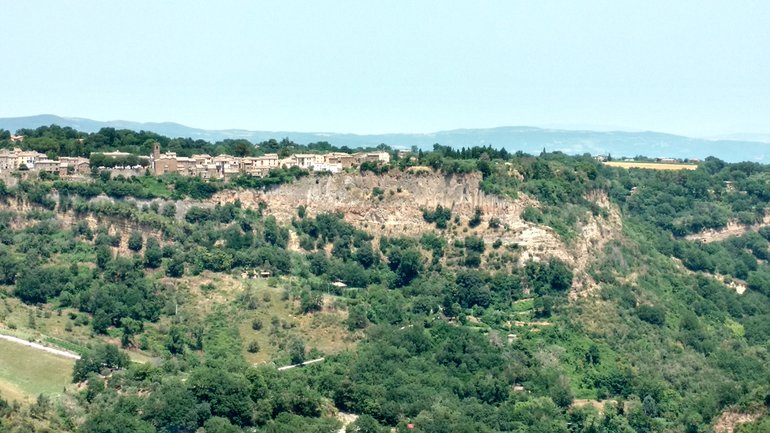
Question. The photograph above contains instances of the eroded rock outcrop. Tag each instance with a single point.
(392, 204)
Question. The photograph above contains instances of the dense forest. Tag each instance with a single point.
(441, 333)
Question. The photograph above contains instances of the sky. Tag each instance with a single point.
(693, 67)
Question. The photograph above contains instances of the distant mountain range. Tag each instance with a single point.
(527, 139)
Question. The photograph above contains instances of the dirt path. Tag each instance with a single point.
(51, 350)
(312, 361)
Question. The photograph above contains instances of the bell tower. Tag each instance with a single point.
(155, 157)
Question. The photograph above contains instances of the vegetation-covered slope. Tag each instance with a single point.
(453, 327)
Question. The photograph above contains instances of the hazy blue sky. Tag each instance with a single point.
(696, 67)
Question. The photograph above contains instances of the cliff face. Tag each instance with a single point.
(399, 211)
(403, 196)
(392, 204)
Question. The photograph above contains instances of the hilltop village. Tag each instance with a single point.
(203, 165)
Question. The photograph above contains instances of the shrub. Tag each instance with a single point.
(135, 241)
(651, 314)
(105, 356)
(533, 215)
(494, 223)
(440, 216)
(475, 220)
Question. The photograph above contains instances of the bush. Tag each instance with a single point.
(105, 356)
(474, 244)
(135, 241)
(310, 302)
(475, 220)
(472, 260)
(652, 314)
(357, 317)
(533, 215)
(169, 210)
(152, 254)
(440, 216)
(494, 223)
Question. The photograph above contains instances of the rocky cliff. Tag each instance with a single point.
(391, 205)
(397, 210)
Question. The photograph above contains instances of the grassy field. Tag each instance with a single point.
(651, 165)
(26, 372)
(324, 330)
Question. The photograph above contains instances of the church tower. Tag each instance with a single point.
(155, 157)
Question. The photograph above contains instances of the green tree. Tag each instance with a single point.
(310, 301)
(111, 421)
(475, 220)
(357, 317)
(104, 356)
(539, 415)
(474, 244)
(103, 256)
(227, 393)
(365, 255)
(409, 267)
(655, 315)
(297, 350)
(41, 407)
(176, 341)
(168, 210)
(218, 424)
(650, 407)
(593, 355)
(172, 408)
(135, 241)
(9, 267)
(130, 327)
(152, 254)
(175, 268)
(94, 388)
(38, 285)
(102, 321)
(365, 424)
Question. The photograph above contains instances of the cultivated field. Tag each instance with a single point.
(26, 372)
(651, 165)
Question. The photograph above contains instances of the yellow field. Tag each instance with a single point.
(651, 165)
